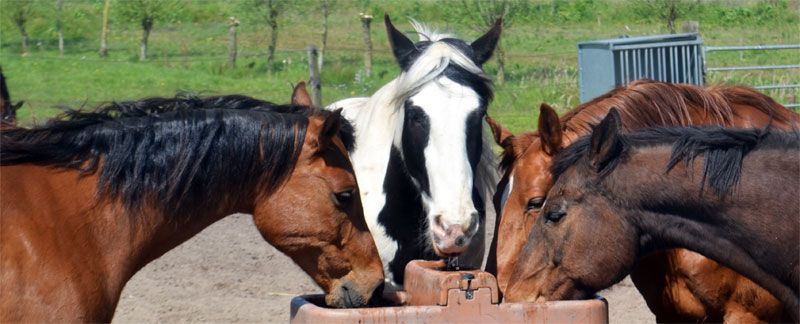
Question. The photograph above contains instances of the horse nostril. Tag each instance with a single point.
(461, 240)
(349, 296)
(376, 299)
(437, 221)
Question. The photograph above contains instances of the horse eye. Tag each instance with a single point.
(343, 198)
(554, 216)
(534, 203)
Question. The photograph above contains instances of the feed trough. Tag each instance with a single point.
(436, 296)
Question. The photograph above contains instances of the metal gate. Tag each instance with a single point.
(604, 64)
(759, 67)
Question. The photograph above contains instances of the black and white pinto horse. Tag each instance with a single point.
(422, 158)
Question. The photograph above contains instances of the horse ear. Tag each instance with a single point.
(329, 129)
(17, 106)
(300, 96)
(606, 141)
(501, 135)
(402, 46)
(484, 46)
(550, 130)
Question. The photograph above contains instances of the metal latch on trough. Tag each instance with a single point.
(468, 291)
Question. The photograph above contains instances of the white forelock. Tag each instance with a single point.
(426, 33)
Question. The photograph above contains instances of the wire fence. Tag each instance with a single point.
(224, 56)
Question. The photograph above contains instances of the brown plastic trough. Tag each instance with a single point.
(436, 296)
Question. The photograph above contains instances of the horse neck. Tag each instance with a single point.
(669, 212)
(96, 246)
(377, 122)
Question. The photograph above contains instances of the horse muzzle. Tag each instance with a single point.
(452, 240)
(351, 294)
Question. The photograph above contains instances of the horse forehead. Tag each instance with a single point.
(445, 101)
(534, 162)
(332, 164)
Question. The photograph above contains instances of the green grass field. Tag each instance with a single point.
(187, 51)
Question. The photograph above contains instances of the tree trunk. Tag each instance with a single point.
(673, 15)
(58, 28)
(501, 64)
(20, 19)
(104, 32)
(232, 44)
(273, 41)
(365, 22)
(324, 35)
(314, 79)
(143, 49)
(24, 40)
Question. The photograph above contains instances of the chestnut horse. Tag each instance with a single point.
(616, 198)
(678, 285)
(91, 198)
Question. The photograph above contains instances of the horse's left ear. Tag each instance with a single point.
(484, 47)
(402, 46)
(17, 106)
(501, 135)
(606, 141)
(329, 129)
(300, 96)
(550, 130)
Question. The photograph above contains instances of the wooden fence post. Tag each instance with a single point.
(232, 44)
(314, 79)
(365, 22)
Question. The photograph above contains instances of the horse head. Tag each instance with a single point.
(528, 157)
(316, 218)
(446, 95)
(554, 264)
(8, 111)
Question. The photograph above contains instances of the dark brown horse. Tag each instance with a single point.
(91, 198)
(8, 111)
(678, 285)
(729, 194)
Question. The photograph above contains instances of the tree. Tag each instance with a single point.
(324, 5)
(146, 13)
(268, 11)
(670, 10)
(487, 12)
(59, 5)
(104, 32)
(19, 12)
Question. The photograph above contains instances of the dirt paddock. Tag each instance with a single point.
(229, 274)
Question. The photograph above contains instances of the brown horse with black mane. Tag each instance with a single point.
(8, 111)
(91, 198)
(678, 285)
(618, 197)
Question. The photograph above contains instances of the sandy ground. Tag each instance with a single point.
(229, 274)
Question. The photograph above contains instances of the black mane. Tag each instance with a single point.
(723, 150)
(174, 154)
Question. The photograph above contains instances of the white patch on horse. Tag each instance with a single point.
(506, 193)
(448, 104)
